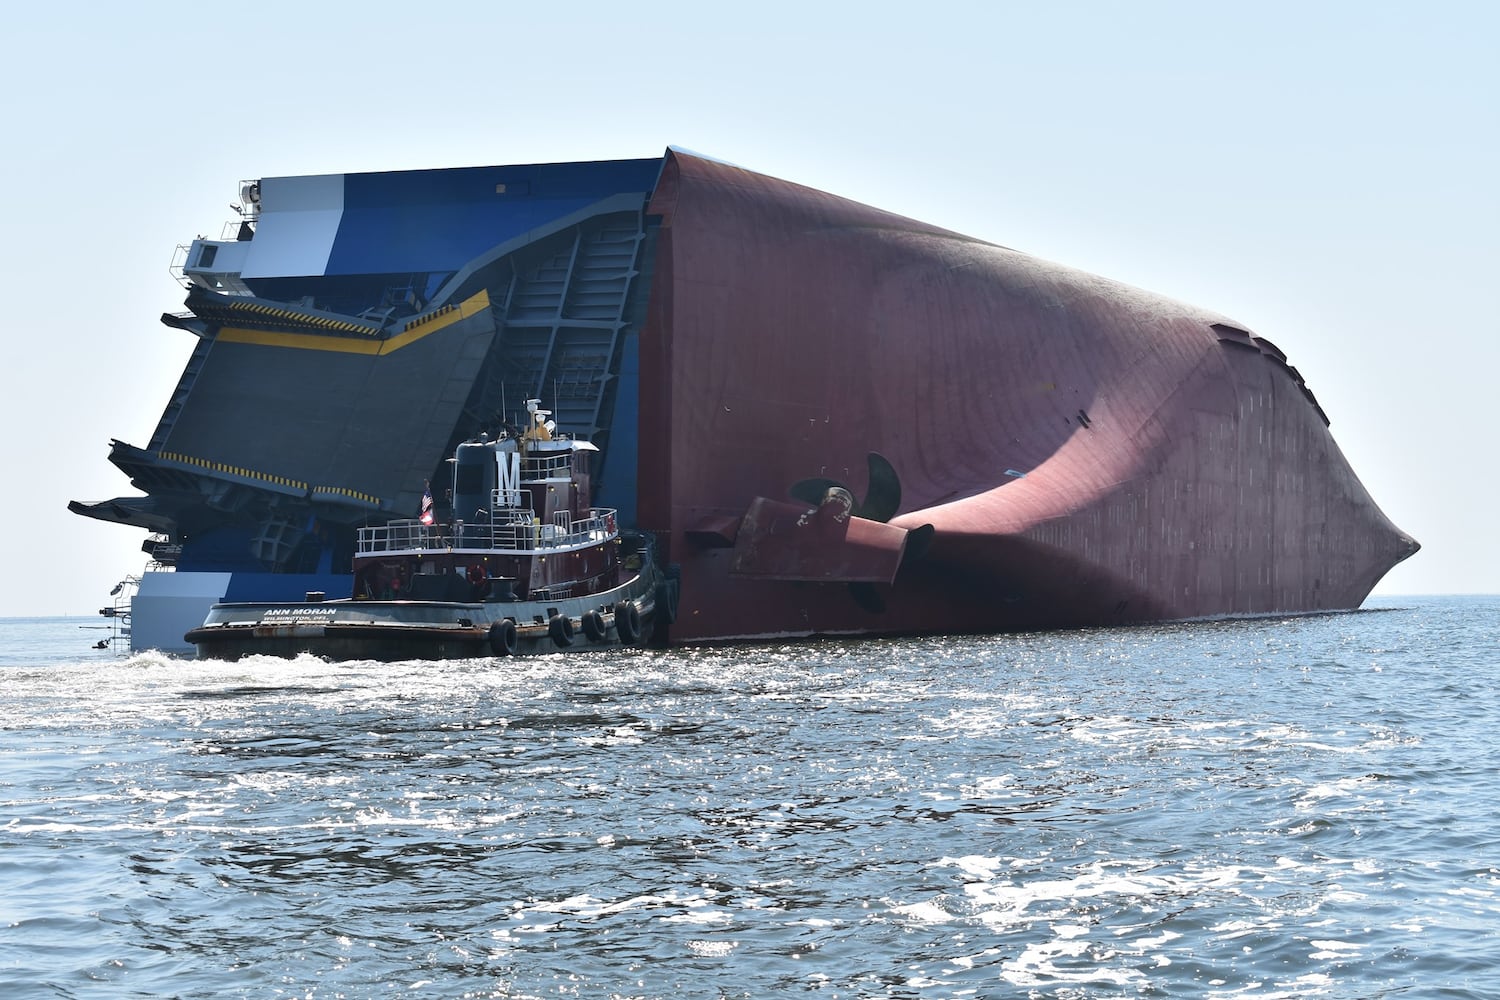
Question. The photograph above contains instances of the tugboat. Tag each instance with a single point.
(535, 570)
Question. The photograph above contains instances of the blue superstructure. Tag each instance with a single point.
(352, 328)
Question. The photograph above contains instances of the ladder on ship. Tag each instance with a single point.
(563, 320)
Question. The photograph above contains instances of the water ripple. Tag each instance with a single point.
(1239, 809)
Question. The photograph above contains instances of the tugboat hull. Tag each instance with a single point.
(390, 631)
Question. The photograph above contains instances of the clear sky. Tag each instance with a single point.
(1324, 173)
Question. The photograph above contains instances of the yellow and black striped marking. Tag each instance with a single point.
(269, 478)
(416, 329)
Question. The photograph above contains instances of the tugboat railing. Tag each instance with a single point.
(509, 531)
(555, 467)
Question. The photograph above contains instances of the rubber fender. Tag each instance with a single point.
(503, 638)
(560, 628)
(628, 621)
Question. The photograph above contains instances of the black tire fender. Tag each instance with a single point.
(560, 628)
(503, 638)
(628, 621)
(593, 625)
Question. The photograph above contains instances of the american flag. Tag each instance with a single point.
(427, 504)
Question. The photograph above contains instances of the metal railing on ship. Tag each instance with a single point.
(507, 530)
(544, 467)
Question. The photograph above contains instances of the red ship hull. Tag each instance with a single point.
(1086, 453)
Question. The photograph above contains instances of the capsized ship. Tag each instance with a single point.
(831, 419)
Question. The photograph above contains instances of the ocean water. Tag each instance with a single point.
(1288, 807)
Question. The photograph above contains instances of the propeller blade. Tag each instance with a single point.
(883, 498)
(881, 502)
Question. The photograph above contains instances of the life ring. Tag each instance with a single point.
(628, 621)
(560, 628)
(593, 625)
(503, 638)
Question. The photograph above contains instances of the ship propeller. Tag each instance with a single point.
(882, 500)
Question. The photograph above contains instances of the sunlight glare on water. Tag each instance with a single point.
(1270, 808)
